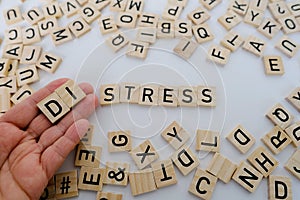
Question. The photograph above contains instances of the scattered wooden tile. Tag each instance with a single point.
(13, 35)
(116, 173)
(183, 28)
(229, 20)
(164, 173)
(248, 177)
(70, 93)
(117, 41)
(119, 141)
(259, 4)
(168, 96)
(294, 98)
(48, 62)
(61, 35)
(79, 27)
(144, 154)
(279, 9)
(218, 54)
(5, 104)
(108, 196)
(33, 16)
(208, 141)
(91, 178)
(27, 75)
(289, 24)
(294, 8)
(137, 49)
(107, 25)
(273, 65)
(89, 13)
(185, 48)
(135, 6)
(66, 184)
(12, 15)
(88, 156)
(4, 67)
(126, 19)
(148, 20)
(13, 66)
(221, 168)
(100, 4)
(232, 41)
(49, 191)
(142, 182)
(199, 16)
(202, 33)
(146, 34)
(210, 4)
(206, 96)
(287, 46)
(203, 184)
(276, 140)
(185, 160)
(263, 161)
(293, 164)
(53, 107)
(109, 94)
(165, 29)
(293, 132)
(254, 16)
(280, 187)
(9, 83)
(129, 93)
(175, 135)
(13, 51)
(52, 9)
(255, 45)
(69, 7)
(241, 139)
(239, 6)
(31, 35)
(88, 136)
(269, 27)
(47, 25)
(187, 96)
(172, 12)
(280, 116)
(118, 5)
(178, 2)
(30, 54)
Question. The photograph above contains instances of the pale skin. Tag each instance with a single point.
(32, 149)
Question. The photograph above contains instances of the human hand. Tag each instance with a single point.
(32, 149)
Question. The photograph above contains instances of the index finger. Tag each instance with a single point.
(23, 113)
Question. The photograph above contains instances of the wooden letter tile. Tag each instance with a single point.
(263, 161)
(254, 16)
(88, 156)
(294, 98)
(146, 34)
(254, 45)
(294, 8)
(52, 10)
(107, 25)
(183, 28)
(47, 25)
(116, 173)
(91, 178)
(108, 196)
(31, 35)
(241, 139)
(135, 6)
(175, 135)
(33, 15)
(109, 94)
(187, 96)
(239, 6)
(232, 41)
(61, 35)
(118, 5)
(273, 65)
(88, 136)
(269, 27)
(288, 46)
(279, 9)
(13, 51)
(79, 27)
(13, 35)
(280, 116)
(185, 160)
(172, 12)
(149, 95)
(276, 140)
(13, 66)
(9, 83)
(210, 4)
(185, 48)
(293, 132)
(144, 154)
(199, 16)
(4, 67)
(49, 62)
(89, 13)
(208, 141)
(119, 141)
(138, 49)
(100, 4)
(218, 54)
(12, 15)
(164, 173)
(53, 107)
(66, 184)
(203, 184)
(30, 54)
(202, 33)
(148, 20)
(69, 7)
(27, 75)
(24, 92)
(248, 177)
(280, 187)
(117, 41)
(259, 4)
(221, 167)
(165, 29)
(293, 164)
(126, 20)
(129, 93)
(70, 93)
(168, 96)
(142, 182)
(206, 96)
(229, 20)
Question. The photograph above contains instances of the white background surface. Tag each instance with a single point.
(244, 96)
